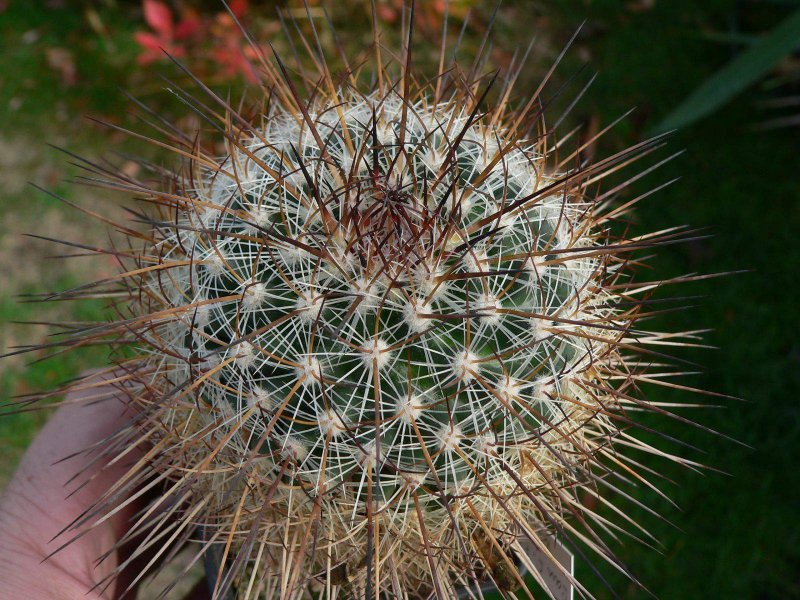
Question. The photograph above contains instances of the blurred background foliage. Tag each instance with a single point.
(726, 71)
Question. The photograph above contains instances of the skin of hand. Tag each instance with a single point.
(40, 501)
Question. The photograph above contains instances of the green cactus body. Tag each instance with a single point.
(333, 339)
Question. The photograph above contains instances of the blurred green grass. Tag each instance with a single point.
(739, 535)
(37, 107)
(740, 531)
(16, 431)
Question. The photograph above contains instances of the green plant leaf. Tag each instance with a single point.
(748, 67)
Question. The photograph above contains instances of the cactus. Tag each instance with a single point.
(384, 339)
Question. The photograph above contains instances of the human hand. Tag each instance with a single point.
(37, 505)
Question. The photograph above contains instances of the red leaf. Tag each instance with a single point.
(148, 41)
(238, 7)
(386, 14)
(158, 16)
(188, 26)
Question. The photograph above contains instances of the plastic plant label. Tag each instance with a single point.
(554, 575)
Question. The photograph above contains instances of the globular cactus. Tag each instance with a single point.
(383, 317)
(384, 340)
